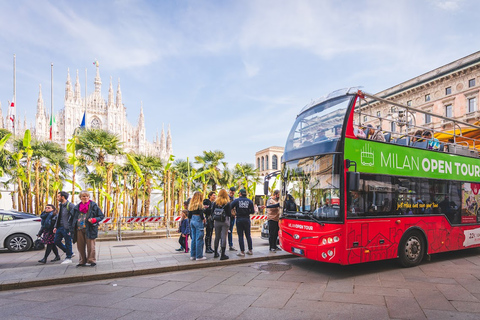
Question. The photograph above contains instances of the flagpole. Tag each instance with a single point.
(85, 90)
(14, 92)
(51, 102)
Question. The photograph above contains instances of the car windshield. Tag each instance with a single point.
(319, 124)
(314, 186)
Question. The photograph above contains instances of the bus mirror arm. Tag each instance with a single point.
(353, 177)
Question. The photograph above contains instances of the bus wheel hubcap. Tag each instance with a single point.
(413, 248)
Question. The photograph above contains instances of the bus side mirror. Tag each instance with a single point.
(353, 181)
(265, 187)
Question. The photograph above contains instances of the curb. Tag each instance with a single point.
(133, 273)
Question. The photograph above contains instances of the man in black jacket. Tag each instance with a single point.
(62, 226)
(244, 207)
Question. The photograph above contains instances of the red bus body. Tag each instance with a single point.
(365, 239)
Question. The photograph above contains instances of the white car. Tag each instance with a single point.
(18, 230)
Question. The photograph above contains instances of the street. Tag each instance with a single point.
(447, 287)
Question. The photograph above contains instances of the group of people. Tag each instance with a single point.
(219, 214)
(71, 224)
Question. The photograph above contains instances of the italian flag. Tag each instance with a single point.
(52, 121)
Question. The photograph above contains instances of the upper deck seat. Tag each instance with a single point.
(388, 136)
(420, 144)
(403, 141)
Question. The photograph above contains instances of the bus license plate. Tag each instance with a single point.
(297, 251)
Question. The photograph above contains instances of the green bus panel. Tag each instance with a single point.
(391, 159)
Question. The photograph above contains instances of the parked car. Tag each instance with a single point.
(18, 230)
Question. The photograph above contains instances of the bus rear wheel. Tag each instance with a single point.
(412, 249)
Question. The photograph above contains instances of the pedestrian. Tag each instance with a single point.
(62, 226)
(184, 230)
(49, 218)
(273, 215)
(197, 222)
(85, 221)
(221, 227)
(231, 195)
(243, 207)
(207, 205)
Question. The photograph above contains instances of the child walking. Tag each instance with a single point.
(185, 231)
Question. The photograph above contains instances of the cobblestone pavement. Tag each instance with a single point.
(447, 287)
(115, 259)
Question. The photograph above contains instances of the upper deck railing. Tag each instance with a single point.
(463, 138)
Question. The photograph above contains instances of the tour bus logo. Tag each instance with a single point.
(367, 157)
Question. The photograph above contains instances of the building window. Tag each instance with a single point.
(472, 104)
(365, 118)
(448, 111)
(428, 118)
(274, 162)
(95, 124)
(263, 164)
(448, 91)
(427, 97)
(393, 126)
(409, 103)
(258, 163)
(471, 83)
(266, 162)
(378, 114)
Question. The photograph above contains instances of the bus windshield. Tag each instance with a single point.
(315, 188)
(319, 125)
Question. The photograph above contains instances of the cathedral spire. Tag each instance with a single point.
(110, 93)
(68, 87)
(169, 150)
(98, 81)
(119, 95)
(40, 104)
(141, 118)
(162, 143)
(77, 96)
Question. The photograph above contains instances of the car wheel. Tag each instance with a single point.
(411, 249)
(18, 243)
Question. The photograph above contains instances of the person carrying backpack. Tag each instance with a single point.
(49, 218)
(222, 214)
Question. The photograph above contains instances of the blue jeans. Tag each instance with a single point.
(230, 232)
(243, 226)
(196, 232)
(62, 233)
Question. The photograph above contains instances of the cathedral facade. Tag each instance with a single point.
(109, 115)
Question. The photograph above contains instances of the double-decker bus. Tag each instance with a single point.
(361, 197)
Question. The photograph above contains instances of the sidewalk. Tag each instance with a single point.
(117, 259)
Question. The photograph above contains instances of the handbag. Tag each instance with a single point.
(38, 244)
(219, 214)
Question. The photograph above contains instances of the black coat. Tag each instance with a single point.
(91, 228)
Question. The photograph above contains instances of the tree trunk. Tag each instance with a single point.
(37, 187)
(28, 192)
(109, 182)
(57, 183)
(135, 198)
(47, 188)
(73, 182)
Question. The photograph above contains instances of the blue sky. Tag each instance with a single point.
(226, 75)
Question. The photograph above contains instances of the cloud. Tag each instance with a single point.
(448, 5)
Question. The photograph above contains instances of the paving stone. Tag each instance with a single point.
(467, 306)
(93, 313)
(429, 298)
(344, 285)
(449, 315)
(310, 291)
(456, 292)
(231, 289)
(404, 308)
(354, 298)
(160, 306)
(393, 292)
(274, 298)
(163, 290)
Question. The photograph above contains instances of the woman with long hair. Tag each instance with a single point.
(221, 227)
(197, 220)
(49, 218)
(86, 217)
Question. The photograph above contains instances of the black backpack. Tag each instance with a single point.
(219, 214)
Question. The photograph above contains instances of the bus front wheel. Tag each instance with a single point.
(412, 249)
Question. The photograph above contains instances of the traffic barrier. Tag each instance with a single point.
(106, 220)
(257, 217)
(142, 219)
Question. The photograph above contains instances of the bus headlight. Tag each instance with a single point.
(336, 239)
(324, 241)
(330, 240)
(330, 253)
(324, 255)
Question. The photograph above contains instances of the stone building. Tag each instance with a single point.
(450, 91)
(109, 115)
(269, 160)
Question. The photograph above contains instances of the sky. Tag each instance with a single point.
(227, 75)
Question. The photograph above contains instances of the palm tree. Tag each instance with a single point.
(249, 177)
(210, 161)
(94, 145)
